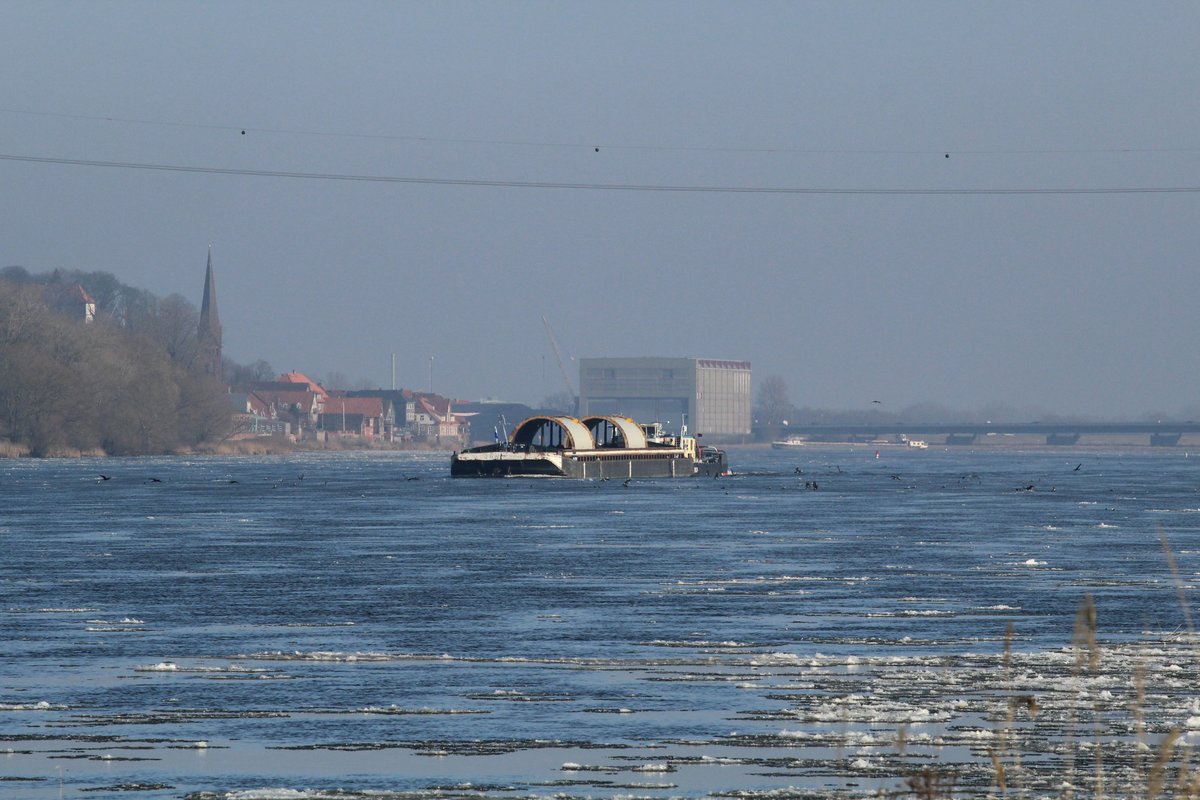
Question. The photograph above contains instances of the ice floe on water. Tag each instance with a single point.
(703, 644)
(40, 705)
(113, 629)
(271, 794)
(323, 655)
(84, 610)
(394, 710)
(226, 672)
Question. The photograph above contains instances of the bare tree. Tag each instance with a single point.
(178, 323)
(204, 413)
(242, 375)
(34, 398)
(21, 316)
(563, 402)
(773, 408)
(365, 383)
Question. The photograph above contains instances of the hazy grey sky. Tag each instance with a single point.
(1080, 303)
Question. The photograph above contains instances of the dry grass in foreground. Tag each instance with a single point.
(1122, 722)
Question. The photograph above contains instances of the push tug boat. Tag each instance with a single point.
(599, 447)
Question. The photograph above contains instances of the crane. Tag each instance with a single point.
(558, 355)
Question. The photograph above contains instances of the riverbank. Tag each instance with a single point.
(1008, 442)
(261, 446)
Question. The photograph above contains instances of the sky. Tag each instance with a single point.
(821, 188)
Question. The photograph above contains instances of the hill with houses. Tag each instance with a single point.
(117, 374)
(91, 365)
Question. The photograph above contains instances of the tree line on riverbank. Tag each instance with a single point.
(125, 383)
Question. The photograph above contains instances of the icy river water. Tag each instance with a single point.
(361, 625)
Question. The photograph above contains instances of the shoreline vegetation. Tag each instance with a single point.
(265, 446)
(109, 369)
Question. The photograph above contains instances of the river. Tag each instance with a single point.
(360, 625)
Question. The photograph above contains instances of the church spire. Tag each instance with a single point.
(209, 335)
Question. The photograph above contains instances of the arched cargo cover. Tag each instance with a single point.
(629, 431)
(566, 432)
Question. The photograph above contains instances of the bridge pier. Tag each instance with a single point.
(1062, 438)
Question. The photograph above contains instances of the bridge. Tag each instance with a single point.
(1161, 434)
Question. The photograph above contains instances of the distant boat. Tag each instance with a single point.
(789, 442)
(917, 443)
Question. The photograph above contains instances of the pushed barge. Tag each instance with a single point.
(594, 447)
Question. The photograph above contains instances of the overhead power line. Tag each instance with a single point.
(227, 127)
(589, 186)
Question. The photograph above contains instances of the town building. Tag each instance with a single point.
(254, 416)
(300, 380)
(711, 395)
(372, 419)
(419, 417)
(491, 420)
(431, 418)
(294, 399)
(71, 300)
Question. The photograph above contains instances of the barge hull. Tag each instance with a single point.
(568, 465)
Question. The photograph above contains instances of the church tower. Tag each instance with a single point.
(208, 337)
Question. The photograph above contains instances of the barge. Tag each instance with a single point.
(598, 448)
